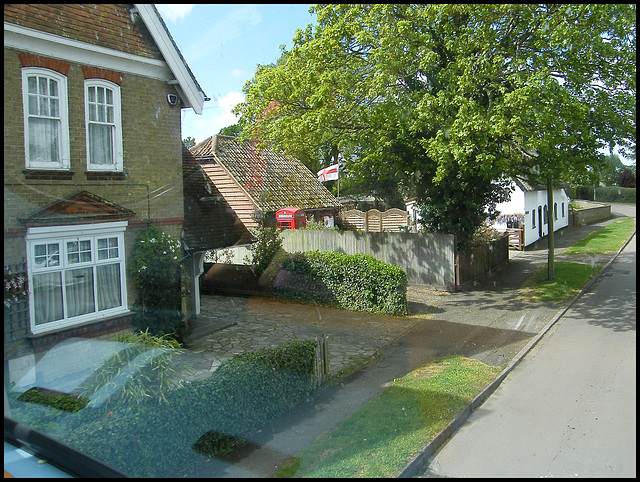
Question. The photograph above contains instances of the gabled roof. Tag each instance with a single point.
(192, 94)
(209, 221)
(525, 185)
(271, 180)
(81, 208)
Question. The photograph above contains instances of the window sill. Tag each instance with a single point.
(48, 175)
(87, 329)
(105, 176)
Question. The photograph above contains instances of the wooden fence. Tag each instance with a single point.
(374, 221)
(481, 262)
(429, 260)
(516, 238)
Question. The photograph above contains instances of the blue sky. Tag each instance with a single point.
(222, 44)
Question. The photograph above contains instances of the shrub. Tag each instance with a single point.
(611, 194)
(148, 365)
(251, 389)
(51, 398)
(155, 271)
(210, 416)
(357, 282)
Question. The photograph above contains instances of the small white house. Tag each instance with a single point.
(527, 208)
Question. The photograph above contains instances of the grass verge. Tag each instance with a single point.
(381, 437)
(605, 240)
(568, 280)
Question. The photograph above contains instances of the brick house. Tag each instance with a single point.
(92, 154)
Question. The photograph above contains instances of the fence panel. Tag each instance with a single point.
(374, 221)
(428, 259)
(480, 262)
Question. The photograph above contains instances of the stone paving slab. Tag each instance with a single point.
(253, 323)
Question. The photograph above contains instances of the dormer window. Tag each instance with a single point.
(46, 119)
(103, 125)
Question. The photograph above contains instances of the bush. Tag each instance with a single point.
(155, 270)
(211, 416)
(267, 243)
(147, 362)
(356, 282)
(611, 194)
(251, 389)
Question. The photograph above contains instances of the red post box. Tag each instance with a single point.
(291, 218)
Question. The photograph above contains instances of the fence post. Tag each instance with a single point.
(321, 361)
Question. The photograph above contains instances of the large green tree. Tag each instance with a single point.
(435, 95)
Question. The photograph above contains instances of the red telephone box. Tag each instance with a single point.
(291, 218)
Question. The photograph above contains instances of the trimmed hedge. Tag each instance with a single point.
(208, 416)
(356, 282)
(606, 194)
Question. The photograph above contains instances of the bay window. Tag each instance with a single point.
(76, 274)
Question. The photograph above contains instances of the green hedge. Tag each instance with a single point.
(607, 194)
(153, 439)
(357, 282)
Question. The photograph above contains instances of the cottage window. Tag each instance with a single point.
(76, 274)
(555, 211)
(104, 126)
(46, 119)
(533, 219)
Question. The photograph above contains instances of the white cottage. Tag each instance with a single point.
(527, 209)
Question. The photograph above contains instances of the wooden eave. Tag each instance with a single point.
(81, 208)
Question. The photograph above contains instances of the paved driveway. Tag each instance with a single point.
(230, 325)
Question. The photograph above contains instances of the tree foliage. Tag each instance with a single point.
(627, 179)
(428, 96)
(189, 142)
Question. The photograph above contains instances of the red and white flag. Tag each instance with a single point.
(328, 173)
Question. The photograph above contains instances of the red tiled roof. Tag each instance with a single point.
(272, 180)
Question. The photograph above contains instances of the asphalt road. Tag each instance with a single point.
(569, 408)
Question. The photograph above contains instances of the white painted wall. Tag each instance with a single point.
(528, 203)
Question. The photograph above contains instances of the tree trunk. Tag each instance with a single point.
(550, 267)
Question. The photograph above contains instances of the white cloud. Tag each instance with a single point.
(238, 73)
(230, 100)
(174, 12)
(213, 118)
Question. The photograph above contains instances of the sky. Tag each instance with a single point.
(223, 44)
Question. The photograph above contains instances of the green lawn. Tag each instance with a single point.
(606, 240)
(568, 280)
(381, 437)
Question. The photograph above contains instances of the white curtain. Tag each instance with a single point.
(44, 119)
(101, 144)
(108, 284)
(47, 297)
(79, 291)
(43, 140)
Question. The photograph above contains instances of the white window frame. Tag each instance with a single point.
(62, 235)
(64, 152)
(118, 156)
